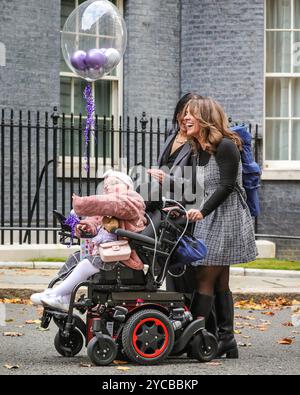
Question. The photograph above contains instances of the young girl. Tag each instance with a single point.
(119, 200)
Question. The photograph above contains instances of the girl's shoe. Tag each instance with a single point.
(61, 303)
(36, 299)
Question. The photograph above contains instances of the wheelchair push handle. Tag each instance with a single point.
(175, 210)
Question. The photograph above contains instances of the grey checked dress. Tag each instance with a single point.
(228, 232)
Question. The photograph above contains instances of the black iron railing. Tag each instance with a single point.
(43, 158)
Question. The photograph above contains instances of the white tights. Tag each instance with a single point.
(83, 271)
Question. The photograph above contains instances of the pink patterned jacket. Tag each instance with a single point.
(127, 207)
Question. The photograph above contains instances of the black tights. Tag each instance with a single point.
(212, 279)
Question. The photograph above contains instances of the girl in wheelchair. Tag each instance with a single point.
(120, 201)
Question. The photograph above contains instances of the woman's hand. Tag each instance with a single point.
(194, 215)
(157, 174)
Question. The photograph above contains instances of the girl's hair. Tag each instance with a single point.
(213, 123)
(180, 107)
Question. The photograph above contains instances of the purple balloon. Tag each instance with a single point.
(78, 60)
(95, 59)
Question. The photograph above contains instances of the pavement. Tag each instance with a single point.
(22, 282)
(32, 351)
(258, 336)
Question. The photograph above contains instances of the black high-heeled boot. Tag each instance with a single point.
(225, 320)
(201, 305)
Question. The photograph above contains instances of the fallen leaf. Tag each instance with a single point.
(120, 362)
(295, 303)
(123, 368)
(10, 367)
(39, 328)
(265, 322)
(288, 324)
(213, 363)
(33, 322)
(85, 365)
(286, 342)
(13, 334)
(249, 318)
(16, 301)
(264, 304)
(263, 329)
(270, 313)
(244, 344)
(8, 321)
(237, 332)
(246, 337)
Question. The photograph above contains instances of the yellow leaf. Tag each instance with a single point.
(16, 301)
(123, 368)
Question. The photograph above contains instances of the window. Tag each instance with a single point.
(107, 91)
(282, 84)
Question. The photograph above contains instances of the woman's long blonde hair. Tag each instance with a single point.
(213, 123)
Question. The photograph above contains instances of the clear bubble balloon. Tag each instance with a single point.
(94, 39)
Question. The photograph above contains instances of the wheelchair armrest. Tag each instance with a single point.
(134, 236)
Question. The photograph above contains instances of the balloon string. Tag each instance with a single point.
(90, 121)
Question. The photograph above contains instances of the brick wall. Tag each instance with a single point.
(280, 201)
(152, 59)
(223, 54)
(30, 32)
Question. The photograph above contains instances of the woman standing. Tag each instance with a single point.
(177, 154)
(224, 221)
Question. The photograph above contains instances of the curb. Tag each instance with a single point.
(242, 272)
(31, 265)
(234, 271)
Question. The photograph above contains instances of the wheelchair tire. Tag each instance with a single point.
(70, 346)
(102, 354)
(148, 337)
(198, 350)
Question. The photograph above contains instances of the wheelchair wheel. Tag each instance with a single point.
(69, 346)
(148, 337)
(203, 347)
(104, 352)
